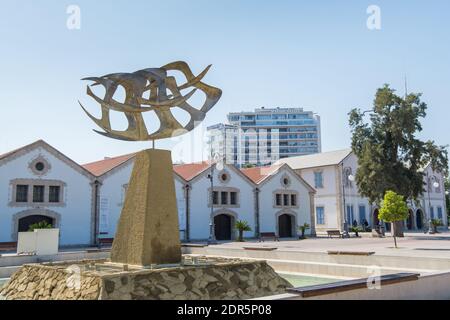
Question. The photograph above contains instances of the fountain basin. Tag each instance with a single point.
(195, 279)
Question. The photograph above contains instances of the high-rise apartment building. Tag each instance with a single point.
(265, 135)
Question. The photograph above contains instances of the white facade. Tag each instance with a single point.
(339, 200)
(194, 202)
(433, 199)
(39, 183)
(270, 212)
(200, 201)
(72, 213)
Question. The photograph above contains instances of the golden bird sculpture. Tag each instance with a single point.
(163, 93)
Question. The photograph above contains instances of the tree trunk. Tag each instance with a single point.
(394, 227)
(397, 229)
(241, 235)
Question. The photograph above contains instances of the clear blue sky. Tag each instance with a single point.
(313, 54)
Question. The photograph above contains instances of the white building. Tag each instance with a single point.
(265, 135)
(284, 200)
(330, 173)
(38, 183)
(249, 195)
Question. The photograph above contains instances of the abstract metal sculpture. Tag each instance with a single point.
(148, 229)
(154, 83)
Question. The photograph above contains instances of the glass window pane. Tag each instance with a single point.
(233, 198)
(278, 199)
(285, 199)
(21, 193)
(318, 180)
(362, 214)
(215, 197)
(38, 193)
(439, 212)
(224, 197)
(320, 215)
(293, 199)
(54, 193)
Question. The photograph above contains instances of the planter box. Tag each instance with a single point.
(39, 242)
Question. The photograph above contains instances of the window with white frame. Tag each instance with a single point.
(318, 179)
(362, 213)
(350, 214)
(320, 215)
(439, 213)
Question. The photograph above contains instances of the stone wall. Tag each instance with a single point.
(42, 282)
(224, 280)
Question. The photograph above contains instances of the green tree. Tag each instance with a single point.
(390, 155)
(393, 208)
(242, 226)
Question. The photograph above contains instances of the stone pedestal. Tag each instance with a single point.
(148, 232)
(217, 279)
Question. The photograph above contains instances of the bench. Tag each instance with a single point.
(351, 253)
(192, 245)
(105, 242)
(332, 233)
(8, 246)
(267, 235)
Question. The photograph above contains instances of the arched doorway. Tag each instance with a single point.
(410, 220)
(375, 220)
(26, 222)
(22, 220)
(419, 219)
(223, 226)
(285, 224)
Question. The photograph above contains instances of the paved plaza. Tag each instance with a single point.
(414, 244)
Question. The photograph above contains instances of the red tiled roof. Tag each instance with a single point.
(259, 174)
(98, 168)
(190, 170)
(186, 171)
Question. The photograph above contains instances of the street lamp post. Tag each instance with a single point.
(445, 201)
(350, 178)
(210, 176)
(430, 224)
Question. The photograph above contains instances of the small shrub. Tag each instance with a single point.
(303, 228)
(356, 230)
(40, 225)
(242, 226)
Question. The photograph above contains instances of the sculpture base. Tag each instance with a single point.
(217, 278)
(148, 232)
